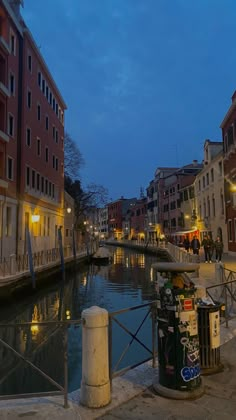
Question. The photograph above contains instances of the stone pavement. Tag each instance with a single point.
(133, 396)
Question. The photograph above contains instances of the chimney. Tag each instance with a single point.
(195, 162)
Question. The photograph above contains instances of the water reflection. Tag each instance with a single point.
(128, 281)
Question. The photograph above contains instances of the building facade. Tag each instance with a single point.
(31, 140)
(209, 191)
(228, 127)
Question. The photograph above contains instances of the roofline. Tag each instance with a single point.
(12, 15)
(229, 112)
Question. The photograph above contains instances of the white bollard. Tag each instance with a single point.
(95, 384)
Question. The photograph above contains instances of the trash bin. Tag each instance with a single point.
(178, 343)
(209, 338)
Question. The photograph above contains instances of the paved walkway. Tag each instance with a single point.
(133, 396)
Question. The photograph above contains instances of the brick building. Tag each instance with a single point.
(31, 139)
(228, 127)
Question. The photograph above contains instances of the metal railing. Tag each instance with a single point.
(61, 390)
(225, 293)
(151, 312)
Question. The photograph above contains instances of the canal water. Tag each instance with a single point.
(126, 282)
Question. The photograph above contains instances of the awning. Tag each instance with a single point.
(183, 232)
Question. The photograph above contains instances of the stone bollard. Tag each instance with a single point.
(95, 384)
(12, 264)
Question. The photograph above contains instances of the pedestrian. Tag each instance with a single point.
(186, 244)
(208, 246)
(195, 245)
(219, 249)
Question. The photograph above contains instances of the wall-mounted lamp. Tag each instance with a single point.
(68, 210)
(35, 218)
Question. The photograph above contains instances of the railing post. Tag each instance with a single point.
(95, 384)
(154, 335)
(13, 264)
(65, 348)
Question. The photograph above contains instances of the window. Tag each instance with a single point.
(43, 86)
(230, 135)
(50, 188)
(38, 182)
(207, 178)
(53, 104)
(199, 185)
(33, 179)
(12, 84)
(220, 168)
(46, 186)
(230, 232)
(10, 168)
(213, 206)
(13, 44)
(8, 222)
(53, 161)
(53, 191)
(27, 176)
(39, 112)
(47, 92)
(46, 122)
(48, 233)
(222, 203)
(57, 109)
(50, 98)
(46, 154)
(30, 63)
(203, 182)
(39, 79)
(56, 136)
(53, 132)
(38, 147)
(42, 184)
(56, 164)
(28, 137)
(29, 99)
(212, 175)
(208, 207)
(10, 125)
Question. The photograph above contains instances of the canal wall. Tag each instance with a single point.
(19, 281)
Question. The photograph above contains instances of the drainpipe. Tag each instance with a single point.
(19, 138)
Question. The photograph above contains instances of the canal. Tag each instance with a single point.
(126, 282)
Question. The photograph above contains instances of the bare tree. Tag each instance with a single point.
(73, 159)
(94, 196)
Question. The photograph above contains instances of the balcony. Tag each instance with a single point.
(3, 184)
(4, 45)
(4, 90)
(4, 137)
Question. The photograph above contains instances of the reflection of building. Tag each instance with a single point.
(228, 126)
(31, 140)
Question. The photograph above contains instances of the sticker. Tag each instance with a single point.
(214, 321)
(193, 326)
(161, 334)
(171, 329)
(187, 304)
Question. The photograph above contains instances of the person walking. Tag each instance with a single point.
(219, 246)
(186, 244)
(208, 246)
(195, 245)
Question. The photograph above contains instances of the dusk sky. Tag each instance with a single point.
(145, 81)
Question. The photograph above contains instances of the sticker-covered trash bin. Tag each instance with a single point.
(178, 341)
(209, 336)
